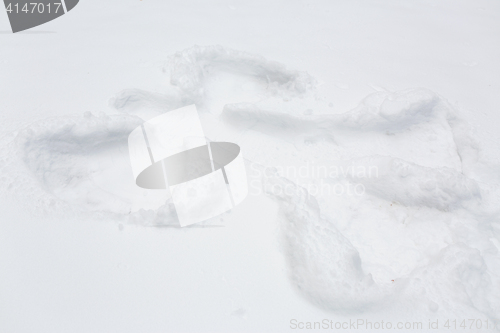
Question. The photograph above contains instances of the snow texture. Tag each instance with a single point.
(421, 236)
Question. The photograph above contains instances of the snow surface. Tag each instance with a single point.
(84, 249)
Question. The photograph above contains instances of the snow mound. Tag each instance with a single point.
(393, 112)
(412, 125)
(81, 164)
(213, 76)
(190, 69)
(410, 184)
(324, 265)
